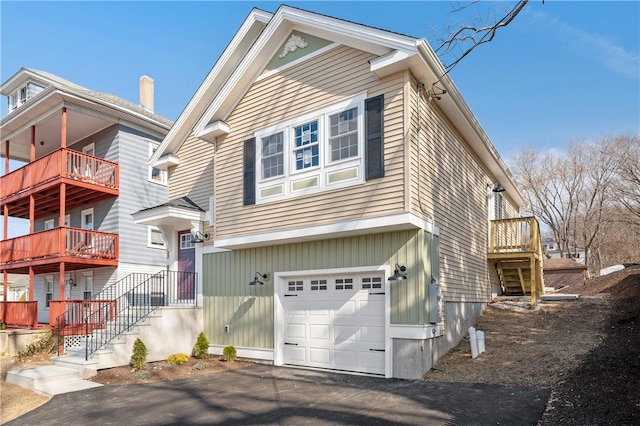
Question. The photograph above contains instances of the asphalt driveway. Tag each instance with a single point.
(262, 394)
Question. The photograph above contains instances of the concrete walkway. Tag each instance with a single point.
(262, 394)
(50, 380)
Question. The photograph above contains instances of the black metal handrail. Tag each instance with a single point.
(119, 307)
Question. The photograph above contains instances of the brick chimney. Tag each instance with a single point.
(146, 93)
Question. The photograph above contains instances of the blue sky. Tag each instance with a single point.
(561, 71)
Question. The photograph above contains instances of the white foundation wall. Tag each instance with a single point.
(167, 331)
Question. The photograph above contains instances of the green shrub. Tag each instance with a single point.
(3, 326)
(201, 348)
(44, 344)
(143, 374)
(200, 366)
(229, 353)
(139, 356)
(177, 359)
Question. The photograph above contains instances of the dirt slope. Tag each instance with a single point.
(587, 351)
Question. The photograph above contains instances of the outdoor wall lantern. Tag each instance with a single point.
(498, 188)
(398, 273)
(199, 237)
(256, 279)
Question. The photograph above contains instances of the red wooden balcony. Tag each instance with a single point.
(78, 248)
(70, 315)
(88, 179)
(19, 314)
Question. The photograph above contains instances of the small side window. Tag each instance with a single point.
(156, 239)
(156, 175)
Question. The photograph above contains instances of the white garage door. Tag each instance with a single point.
(335, 322)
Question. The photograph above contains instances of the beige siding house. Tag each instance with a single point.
(355, 201)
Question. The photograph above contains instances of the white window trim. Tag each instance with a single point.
(180, 241)
(86, 274)
(325, 167)
(13, 101)
(47, 222)
(48, 279)
(150, 244)
(150, 168)
(83, 215)
(89, 149)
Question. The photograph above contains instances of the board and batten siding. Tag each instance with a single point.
(335, 75)
(449, 188)
(248, 310)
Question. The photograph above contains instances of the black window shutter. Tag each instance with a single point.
(249, 171)
(374, 146)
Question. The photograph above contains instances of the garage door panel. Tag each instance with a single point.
(345, 360)
(371, 308)
(372, 334)
(320, 332)
(373, 361)
(319, 356)
(295, 354)
(296, 331)
(348, 308)
(344, 334)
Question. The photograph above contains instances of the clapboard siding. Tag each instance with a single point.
(193, 177)
(136, 192)
(229, 300)
(340, 73)
(451, 189)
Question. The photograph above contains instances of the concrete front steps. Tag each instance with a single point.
(67, 373)
(50, 380)
(168, 331)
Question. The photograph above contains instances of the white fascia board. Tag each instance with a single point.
(30, 114)
(286, 19)
(71, 95)
(387, 40)
(164, 214)
(397, 222)
(391, 63)
(458, 111)
(239, 80)
(251, 28)
(20, 77)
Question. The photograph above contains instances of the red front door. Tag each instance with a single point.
(186, 266)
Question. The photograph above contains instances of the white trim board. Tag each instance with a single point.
(397, 222)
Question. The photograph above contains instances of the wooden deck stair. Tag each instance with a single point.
(516, 249)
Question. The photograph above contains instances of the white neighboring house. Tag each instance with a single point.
(552, 251)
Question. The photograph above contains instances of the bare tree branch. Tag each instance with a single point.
(589, 197)
(475, 35)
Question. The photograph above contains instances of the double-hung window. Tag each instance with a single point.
(306, 147)
(272, 155)
(343, 134)
(312, 152)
